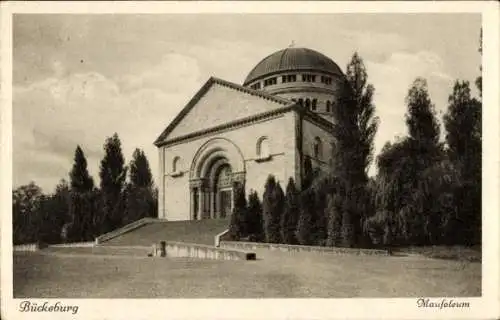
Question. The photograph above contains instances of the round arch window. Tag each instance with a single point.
(263, 149)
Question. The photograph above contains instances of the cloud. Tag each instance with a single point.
(173, 73)
(392, 79)
(51, 117)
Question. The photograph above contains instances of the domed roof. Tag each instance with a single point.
(293, 59)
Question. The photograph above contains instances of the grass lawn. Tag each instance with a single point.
(274, 275)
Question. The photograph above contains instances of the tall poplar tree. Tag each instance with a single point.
(80, 179)
(354, 130)
(237, 225)
(254, 220)
(271, 207)
(290, 216)
(82, 225)
(140, 194)
(462, 122)
(113, 175)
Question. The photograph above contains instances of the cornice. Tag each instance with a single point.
(298, 89)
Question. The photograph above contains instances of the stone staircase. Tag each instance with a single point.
(146, 233)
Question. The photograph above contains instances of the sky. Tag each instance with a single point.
(77, 79)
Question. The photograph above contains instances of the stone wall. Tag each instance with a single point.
(29, 247)
(240, 245)
(310, 131)
(189, 250)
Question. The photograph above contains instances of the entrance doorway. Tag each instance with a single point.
(223, 192)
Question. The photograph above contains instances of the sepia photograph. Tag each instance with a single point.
(237, 155)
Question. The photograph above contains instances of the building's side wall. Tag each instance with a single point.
(174, 190)
(310, 132)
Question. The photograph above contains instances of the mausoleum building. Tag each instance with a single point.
(229, 132)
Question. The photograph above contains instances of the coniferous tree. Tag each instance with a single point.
(354, 131)
(463, 136)
(305, 224)
(254, 218)
(113, 174)
(80, 179)
(139, 193)
(366, 123)
(278, 211)
(402, 172)
(270, 210)
(333, 213)
(421, 120)
(81, 222)
(290, 216)
(237, 227)
(426, 151)
(140, 172)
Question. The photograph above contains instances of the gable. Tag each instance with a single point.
(219, 103)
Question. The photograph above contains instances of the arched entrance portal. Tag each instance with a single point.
(216, 166)
(223, 192)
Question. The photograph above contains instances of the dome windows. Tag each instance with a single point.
(255, 86)
(270, 81)
(288, 78)
(313, 104)
(326, 80)
(293, 59)
(308, 78)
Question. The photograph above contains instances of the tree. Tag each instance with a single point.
(139, 194)
(290, 216)
(57, 213)
(140, 172)
(462, 122)
(254, 218)
(479, 80)
(304, 229)
(237, 227)
(365, 119)
(404, 172)
(420, 116)
(354, 130)
(86, 209)
(334, 211)
(80, 179)
(26, 201)
(271, 207)
(380, 228)
(113, 174)
(82, 185)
